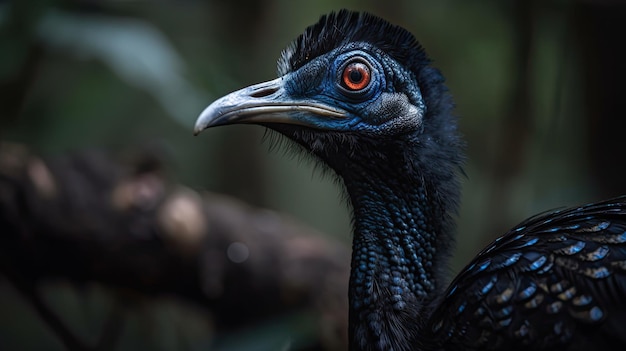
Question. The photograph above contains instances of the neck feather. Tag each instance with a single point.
(402, 241)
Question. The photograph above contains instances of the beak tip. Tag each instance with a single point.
(206, 119)
(197, 129)
(202, 123)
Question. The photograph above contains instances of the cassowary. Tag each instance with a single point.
(360, 95)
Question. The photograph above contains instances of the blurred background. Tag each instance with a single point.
(538, 86)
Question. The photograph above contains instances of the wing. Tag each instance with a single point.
(557, 279)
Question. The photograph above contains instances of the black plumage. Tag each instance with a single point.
(360, 95)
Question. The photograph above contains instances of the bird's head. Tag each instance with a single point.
(350, 84)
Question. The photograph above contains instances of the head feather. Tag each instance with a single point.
(340, 28)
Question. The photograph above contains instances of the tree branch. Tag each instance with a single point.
(87, 217)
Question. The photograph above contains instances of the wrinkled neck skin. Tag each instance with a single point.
(402, 239)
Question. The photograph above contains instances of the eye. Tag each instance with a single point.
(356, 76)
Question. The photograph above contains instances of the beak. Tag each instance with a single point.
(266, 103)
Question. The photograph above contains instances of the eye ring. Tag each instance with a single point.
(356, 76)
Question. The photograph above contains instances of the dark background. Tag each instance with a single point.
(539, 89)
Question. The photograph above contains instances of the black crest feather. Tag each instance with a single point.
(340, 28)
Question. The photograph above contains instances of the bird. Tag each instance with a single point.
(360, 96)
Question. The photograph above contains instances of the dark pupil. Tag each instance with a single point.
(355, 75)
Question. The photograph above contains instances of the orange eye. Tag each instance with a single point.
(356, 76)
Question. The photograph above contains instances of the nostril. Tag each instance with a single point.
(264, 92)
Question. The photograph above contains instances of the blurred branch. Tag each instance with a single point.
(87, 217)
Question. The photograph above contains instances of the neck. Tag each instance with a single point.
(402, 239)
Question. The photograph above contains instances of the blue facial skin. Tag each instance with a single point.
(373, 110)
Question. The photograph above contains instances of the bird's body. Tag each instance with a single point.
(556, 281)
(360, 95)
